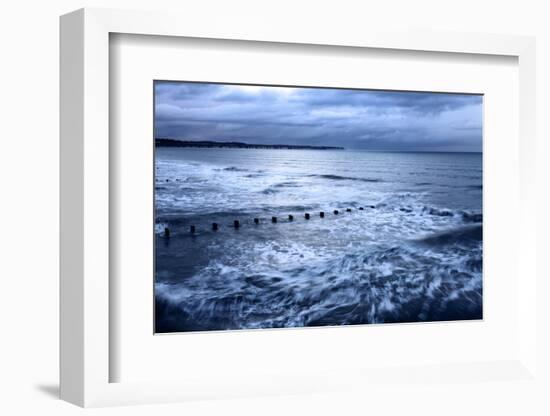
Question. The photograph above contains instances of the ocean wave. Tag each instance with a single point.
(396, 284)
(279, 187)
(471, 216)
(438, 212)
(345, 178)
(466, 216)
(233, 169)
(269, 191)
(459, 235)
(287, 185)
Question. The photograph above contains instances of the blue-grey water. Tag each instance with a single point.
(414, 253)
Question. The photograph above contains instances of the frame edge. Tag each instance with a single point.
(71, 219)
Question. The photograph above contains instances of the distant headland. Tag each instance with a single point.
(236, 145)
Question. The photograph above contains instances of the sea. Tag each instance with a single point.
(404, 246)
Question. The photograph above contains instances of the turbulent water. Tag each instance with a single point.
(414, 253)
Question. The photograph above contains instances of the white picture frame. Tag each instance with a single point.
(85, 206)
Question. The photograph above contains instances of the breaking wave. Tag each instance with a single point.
(396, 284)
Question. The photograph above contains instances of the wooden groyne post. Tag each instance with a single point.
(274, 219)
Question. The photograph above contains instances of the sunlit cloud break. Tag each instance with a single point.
(355, 119)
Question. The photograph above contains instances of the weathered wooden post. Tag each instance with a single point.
(166, 232)
(192, 229)
(214, 226)
(236, 224)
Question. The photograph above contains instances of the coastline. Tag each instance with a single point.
(160, 142)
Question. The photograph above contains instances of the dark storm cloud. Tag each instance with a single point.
(378, 120)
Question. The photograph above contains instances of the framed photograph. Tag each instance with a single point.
(282, 207)
(272, 212)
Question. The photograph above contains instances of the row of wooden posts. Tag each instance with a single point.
(237, 223)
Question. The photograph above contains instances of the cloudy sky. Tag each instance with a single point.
(355, 119)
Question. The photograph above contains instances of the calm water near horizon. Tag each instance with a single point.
(414, 253)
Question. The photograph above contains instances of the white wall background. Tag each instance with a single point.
(29, 203)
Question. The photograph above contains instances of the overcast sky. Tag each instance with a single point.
(355, 119)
